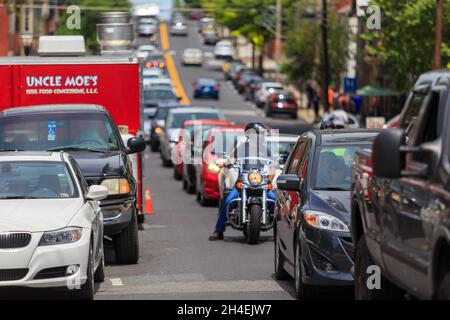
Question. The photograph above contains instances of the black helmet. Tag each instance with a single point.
(256, 126)
(327, 125)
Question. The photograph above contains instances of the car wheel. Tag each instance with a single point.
(141, 218)
(166, 163)
(190, 187)
(294, 116)
(280, 273)
(184, 184)
(126, 243)
(87, 290)
(203, 201)
(362, 292)
(99, 275)
(154, 146)
(444, 288)
(302, 291)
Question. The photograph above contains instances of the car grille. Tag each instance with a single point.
(14, 240)
(12, 274)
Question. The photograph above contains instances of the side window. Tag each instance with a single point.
(303, 167)
(297, 157)
(82, 181)
(412, 113)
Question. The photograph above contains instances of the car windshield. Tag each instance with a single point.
(35, 180)
(334, 165)
(176, 120)
(156, 94)
(57, 131)
(281, 149)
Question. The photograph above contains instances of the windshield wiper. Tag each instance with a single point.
(68, 148)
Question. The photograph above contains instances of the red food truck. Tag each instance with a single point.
(111, 81)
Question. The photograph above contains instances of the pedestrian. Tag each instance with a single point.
(310, 92)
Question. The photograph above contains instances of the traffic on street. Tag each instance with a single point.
(177, 152)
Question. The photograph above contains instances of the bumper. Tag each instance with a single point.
(324, 248)
(117, 214)
(37, 259)
(211, 188)
(212, 94)
(193, 61)
(283, 111)
(177, 32)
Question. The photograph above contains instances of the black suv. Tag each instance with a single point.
(312, 239)
(89, 134)
(401, 200)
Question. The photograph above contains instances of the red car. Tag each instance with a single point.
(219, 141)
(187, 145)
(282, 102)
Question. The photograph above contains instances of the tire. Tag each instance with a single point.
(166, 163)
(203, 201)
(126, 244)
(99, 275)
(279, 272)
(184, 184)
(302, 291)
(190, 188)
(444, 288)
(268, 114)
(176, 175)
(141, 218)
(254, 224)
(294, 116)
(362, 262)
(87, 290)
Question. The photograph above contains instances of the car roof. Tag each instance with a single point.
(52, 108)
(344, 136)
(207, 80)
(194, 110)
(189, 123)
(30, 156)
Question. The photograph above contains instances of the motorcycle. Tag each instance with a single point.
(250, 212)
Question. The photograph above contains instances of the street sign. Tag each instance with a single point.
(349, 85)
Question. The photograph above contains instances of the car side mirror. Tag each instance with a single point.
(97, 193)
(288, 182)
(135, 145)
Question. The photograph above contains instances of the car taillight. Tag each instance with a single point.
(216, 88)
(197, 87)
(161, 65)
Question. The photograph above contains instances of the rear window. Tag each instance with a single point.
(207, 82)
(158, 95)
(176, 120)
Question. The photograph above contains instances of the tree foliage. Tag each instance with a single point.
(405, 41)
(89, 19)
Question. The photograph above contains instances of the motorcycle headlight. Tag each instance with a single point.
(116, 186)
(255, 178)
(66, 235)
(212, 167)
(158, 130)
(324, 221)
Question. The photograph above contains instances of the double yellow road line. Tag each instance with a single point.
(171, 68)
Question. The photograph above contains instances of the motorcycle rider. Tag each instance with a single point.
(245, 150)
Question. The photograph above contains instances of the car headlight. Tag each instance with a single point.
(66, 235)
(325, 221)
(255, 178)
(212, 167)
(116, 186)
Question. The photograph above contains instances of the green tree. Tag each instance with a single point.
(406, 39)
(304, 45)
(90, 16)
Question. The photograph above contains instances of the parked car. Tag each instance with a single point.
(175, 119)
(400, 201)
(52, 234)
(246, 79)
(224, 50)
(197, 14)
(265, 91)
(311, 234)
(155, 59)
(253, 85)
(210, 37)
(282, 102)
(206, 87)
(228, 66)
(89, 134)
(192, 56)
(192, 137)
(147, 26)
(238, 72)
(179, 28)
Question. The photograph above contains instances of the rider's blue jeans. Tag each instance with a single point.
(234, 194)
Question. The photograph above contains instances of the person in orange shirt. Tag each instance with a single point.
(330, 97)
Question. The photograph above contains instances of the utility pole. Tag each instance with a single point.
(326, 67)
(278, 37)
(438, 34)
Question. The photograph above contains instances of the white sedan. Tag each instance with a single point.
(51, 225)
(192, 56)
